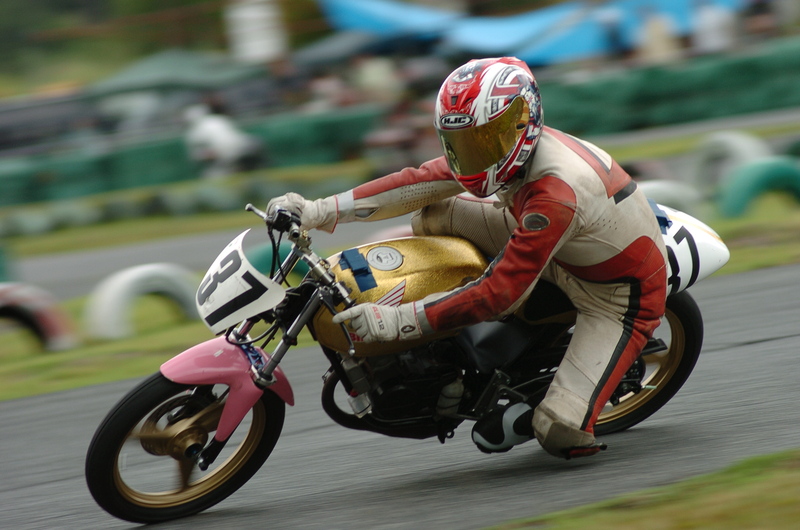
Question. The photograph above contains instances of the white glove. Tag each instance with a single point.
(381, 323)
(321, 213)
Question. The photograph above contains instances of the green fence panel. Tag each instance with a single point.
(151, 163)
(17, 182)
(71, 175)
(299, 139)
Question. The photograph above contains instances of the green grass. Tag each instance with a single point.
(160, 333)
(126, 232)
(759, 493)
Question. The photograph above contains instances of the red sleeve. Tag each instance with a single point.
(430, 171)
(544, 210)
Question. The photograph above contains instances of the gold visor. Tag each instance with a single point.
(472, 150)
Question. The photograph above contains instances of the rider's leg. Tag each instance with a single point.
(476, 220)
(613, 325)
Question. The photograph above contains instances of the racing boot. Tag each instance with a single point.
(562, 440)
(503, 428)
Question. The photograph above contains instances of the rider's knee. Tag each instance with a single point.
(433, 220)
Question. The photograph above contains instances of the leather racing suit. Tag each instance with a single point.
(576, 219)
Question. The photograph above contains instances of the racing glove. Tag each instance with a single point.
(321, 213)
(381, 323)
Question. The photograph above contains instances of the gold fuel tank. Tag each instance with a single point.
(398, 271)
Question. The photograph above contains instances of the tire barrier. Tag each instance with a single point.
(107, 313)
(122, 207)
(675, 194)
(777, 173)
(67, 214)
(219, 199)
(5, 267)
(28, 223)
(174, 202)
(723, 152)
(793, 149)
(37, 310)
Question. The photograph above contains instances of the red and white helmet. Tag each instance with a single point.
(489, 118)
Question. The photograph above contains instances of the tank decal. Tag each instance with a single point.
(661, 215)
(352, 259)
(395, 296)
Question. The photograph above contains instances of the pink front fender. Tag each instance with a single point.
(218, 362)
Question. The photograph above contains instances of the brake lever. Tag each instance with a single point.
(282, 220)
(263, 215)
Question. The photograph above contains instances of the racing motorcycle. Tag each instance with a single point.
(194, 432)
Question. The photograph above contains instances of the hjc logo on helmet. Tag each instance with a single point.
(456, 121)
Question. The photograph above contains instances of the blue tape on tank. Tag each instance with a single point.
(352, 259)
(661, 215)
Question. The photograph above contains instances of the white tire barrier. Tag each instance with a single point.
(777, 173)
(675, 194)
(107, 313)
(37, 310)
(723, 152)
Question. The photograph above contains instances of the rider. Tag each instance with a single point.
(546, 205)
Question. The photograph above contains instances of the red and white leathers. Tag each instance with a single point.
(574, 218)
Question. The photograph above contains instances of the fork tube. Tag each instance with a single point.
(289, 338)
(287, 265)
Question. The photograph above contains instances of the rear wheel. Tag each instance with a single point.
(660, 372)
(140, 465)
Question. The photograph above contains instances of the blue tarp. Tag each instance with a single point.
(386, 17)
(559, 33)
(585, 36)
(487, 36)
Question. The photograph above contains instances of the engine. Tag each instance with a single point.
(407, 385)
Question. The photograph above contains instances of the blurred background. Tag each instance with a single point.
(133, 132)
(134, 108)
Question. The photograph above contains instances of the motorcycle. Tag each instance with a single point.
(194, 432)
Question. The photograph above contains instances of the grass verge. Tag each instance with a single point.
(759, 492)
(161, 332)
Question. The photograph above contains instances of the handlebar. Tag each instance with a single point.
(281, 220)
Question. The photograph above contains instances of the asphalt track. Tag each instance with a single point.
(741, 401)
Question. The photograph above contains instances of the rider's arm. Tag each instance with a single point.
(399, 193)
(546, 212)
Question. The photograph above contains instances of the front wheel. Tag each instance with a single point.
(140, 465)
(659, 372)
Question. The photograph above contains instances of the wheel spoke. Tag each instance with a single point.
(185, 468)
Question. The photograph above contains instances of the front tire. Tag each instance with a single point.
(665, 372)
(137, 466)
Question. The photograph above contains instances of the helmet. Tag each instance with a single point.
(488, 118)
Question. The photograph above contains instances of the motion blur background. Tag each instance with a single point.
(94, 95)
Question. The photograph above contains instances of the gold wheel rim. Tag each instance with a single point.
(188, 489)
(660, 369)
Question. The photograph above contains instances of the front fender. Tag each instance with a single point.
(219, 362)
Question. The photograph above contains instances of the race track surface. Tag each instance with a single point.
(740, 401)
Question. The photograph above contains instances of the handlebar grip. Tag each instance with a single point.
(285, 221)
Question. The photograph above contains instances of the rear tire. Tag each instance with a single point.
(136, 465)
(682, 330)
